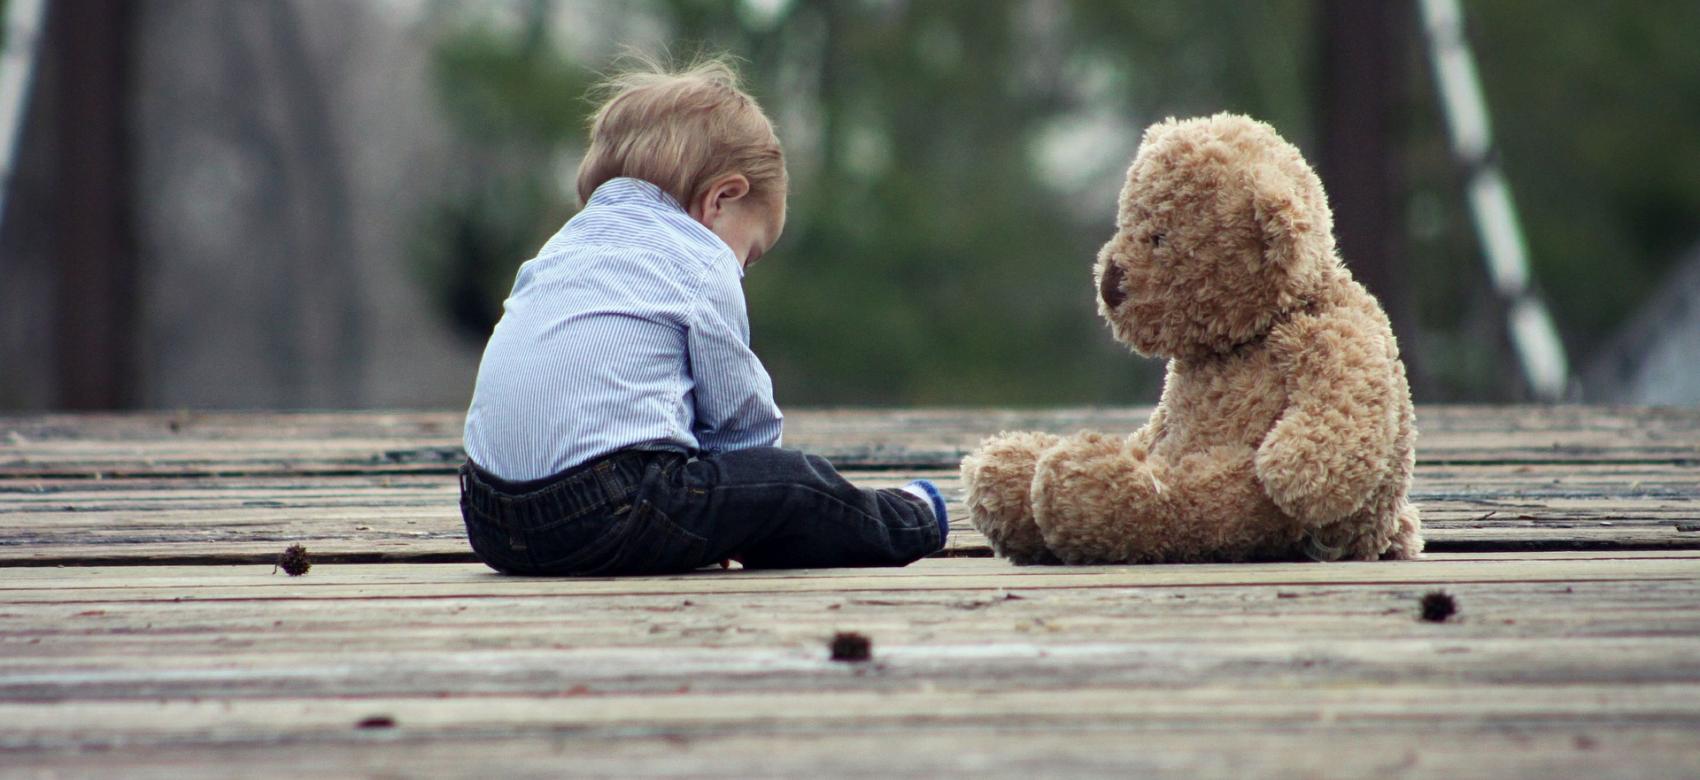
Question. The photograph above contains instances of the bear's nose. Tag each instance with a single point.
(1110, 285)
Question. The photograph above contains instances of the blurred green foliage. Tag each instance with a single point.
(1597, 110)
(932, 257)
(514, 101)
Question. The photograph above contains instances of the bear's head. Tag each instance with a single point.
(1221, 230)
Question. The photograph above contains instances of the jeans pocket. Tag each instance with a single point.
(583, 546)
(657, 545)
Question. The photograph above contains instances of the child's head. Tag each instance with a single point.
(700, 138)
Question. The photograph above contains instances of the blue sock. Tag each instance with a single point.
(927, 490)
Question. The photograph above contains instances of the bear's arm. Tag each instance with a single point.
(1334, 442)
(1145, 439)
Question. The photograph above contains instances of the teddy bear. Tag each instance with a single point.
(1285, 430)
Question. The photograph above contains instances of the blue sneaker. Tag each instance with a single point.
(930, 492)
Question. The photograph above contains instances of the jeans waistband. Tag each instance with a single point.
(571, 494)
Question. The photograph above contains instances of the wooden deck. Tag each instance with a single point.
(143, 633)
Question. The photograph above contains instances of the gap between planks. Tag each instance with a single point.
(370, 581)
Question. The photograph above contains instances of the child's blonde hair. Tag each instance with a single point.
(680, 130)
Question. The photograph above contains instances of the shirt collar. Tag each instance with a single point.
(625, 189)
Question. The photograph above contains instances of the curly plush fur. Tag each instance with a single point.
(1285, 430)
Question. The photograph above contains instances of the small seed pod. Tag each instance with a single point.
(294, 561)
(850, 647)
(1438, 606)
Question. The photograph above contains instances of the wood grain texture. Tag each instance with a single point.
(1556, 661)
(414, 517)
(144, 633)
(422, 442)
(1316, 745)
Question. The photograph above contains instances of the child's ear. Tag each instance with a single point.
(720, 192)
(733, 186)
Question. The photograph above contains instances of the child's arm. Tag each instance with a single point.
(734, 394)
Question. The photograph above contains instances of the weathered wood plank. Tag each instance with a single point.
(1559, 663)
(331, 443)
(411, 517)
(258, 624)
(355, 581)
(537, 618)
(871, 711)
(1322, 746)
(1205, 670)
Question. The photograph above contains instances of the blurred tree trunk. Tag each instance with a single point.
(1365, 47)
(94, 248)
(253, 286)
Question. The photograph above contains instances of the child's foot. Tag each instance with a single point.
(927, 491)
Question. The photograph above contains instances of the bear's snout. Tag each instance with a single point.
(1110, 286)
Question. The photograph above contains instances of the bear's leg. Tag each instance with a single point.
(1407, 539)
(998, 477)
(1092, 496)
(1388, 528)
(1098, 500)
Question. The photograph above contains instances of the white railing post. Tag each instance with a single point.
(17, 65)
(1533, 335)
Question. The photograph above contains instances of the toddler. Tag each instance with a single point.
(620, 423)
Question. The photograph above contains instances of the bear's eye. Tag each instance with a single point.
(1156, 239)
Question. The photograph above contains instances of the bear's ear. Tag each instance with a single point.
(1156, 131)
(1283, 220)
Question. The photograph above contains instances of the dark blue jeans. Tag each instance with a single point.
(642, 512)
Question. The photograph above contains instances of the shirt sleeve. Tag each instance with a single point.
(733, 393)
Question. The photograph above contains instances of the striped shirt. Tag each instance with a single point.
(626, 331)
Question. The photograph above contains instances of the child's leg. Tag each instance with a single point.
(777, 508)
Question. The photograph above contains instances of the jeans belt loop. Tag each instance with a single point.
(607, 483)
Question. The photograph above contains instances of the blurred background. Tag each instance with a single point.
(321, 204)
